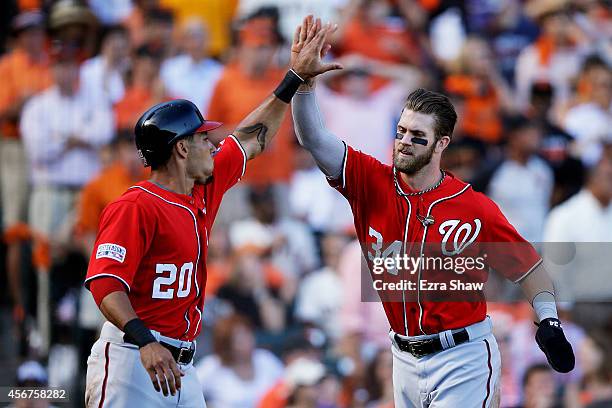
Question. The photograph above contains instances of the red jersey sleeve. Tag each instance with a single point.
(506, 251)
(353, 183)
(230, 165)
(124, 236)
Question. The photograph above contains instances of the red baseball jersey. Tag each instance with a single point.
(155, 241)
(448, 224)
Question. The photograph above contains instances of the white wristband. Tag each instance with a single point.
(545, 306)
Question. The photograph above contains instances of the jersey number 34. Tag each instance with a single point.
(163, 286)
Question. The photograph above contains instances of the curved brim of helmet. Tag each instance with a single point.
(208, 125)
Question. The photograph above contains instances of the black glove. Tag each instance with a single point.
(555, 346)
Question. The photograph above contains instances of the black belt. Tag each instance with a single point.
(425, 347)
(182, 355)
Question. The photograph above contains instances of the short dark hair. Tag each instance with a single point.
(516, 123)
(223, 332)
(433, 103)
(164, 157)
(122, 136)
(116, 29)
(148, 51)
(594, 61)
(533, 369)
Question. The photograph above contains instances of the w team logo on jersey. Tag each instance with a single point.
(458, 237)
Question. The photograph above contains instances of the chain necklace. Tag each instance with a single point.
(427, 190)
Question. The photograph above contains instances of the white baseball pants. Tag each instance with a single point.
(466, 376)
(116, 378)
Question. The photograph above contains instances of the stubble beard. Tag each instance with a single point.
(200, 174)
(413, 164)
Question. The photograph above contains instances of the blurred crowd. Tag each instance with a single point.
(284, 325)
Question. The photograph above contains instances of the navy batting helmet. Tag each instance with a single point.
(160, 127)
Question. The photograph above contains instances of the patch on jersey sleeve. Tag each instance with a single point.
(111, 251)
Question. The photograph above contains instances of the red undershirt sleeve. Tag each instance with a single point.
(104, 286)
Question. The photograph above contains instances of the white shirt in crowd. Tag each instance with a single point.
(365, 124)
(223, 388)
(313, 200)
(524, 203)
(48, 120)
(98, 81)
(562, 68)
(361, 311)
(319, 300)
(580, 267)
(292, 12)
(111, 12)
(590, 124)
(297, 254)
(187, 79)
(581, 218)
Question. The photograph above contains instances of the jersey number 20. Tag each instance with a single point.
(161, 284)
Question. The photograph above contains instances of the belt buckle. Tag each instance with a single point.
(416, 347)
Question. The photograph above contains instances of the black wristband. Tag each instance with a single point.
(289, 86)
(137, 333)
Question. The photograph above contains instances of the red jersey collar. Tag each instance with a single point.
(185, 199)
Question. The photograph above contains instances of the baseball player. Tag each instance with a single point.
(444, 354)
(147, 272)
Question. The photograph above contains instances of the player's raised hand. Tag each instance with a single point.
(162, 368)
(310, 46)
(299, 38)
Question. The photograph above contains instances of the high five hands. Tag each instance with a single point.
(310, 45)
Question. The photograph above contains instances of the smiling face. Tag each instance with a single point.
(200, 164)
(410, 157)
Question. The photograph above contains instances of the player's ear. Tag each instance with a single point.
(182, 148)
(442, 143)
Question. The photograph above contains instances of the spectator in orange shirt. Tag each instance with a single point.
(556, 55)
(366, 28)
(150, 25)
(244, 83)
(483, 91)
(306, 384)
(24, 72)
(111, 182)
(297, 350)
(145, 89)
(218, 263)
